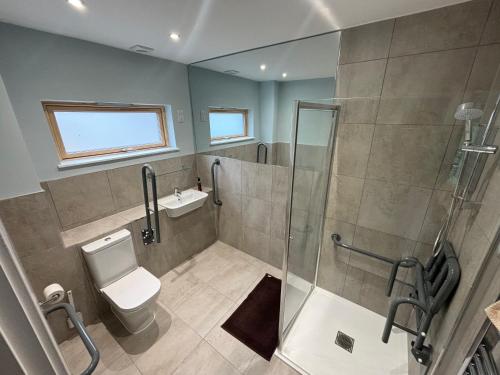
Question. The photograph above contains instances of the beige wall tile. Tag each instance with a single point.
(372, 294)
(434, 218)
(367, 42)
(439, 29)
(231, 231)
(491, 32)
(363, 79)
(408, 154)
(482, 76)
(353, 283)
(393, 208)
(426, 88)
(352, 149)
(278, 220)
(344, 198)
(359, 110)
(380, 243)
(444, 181)
(81, 199)
(126, 186)
(256, 214)
(229, 175)
(31, 223)
(280, 184)
(256, 180)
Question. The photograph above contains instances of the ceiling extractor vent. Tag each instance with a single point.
(141, 49)
(231, 71)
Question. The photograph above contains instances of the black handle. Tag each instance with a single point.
(82, 331)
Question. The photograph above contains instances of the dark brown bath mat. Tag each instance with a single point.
(255, 322)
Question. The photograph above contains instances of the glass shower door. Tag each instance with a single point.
(311, 153)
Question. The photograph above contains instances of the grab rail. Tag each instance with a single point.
(337, 239)
(215, 195)
(82, 332)
(149, 235)
(262, 144)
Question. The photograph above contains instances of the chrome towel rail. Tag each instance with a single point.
(215, 192)
(82, 332)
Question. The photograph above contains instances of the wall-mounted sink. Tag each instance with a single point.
(188, 201)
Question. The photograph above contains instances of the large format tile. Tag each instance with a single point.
(259, 366)
(169, 350)
(31, 223)
(256, 243)
(408, 154)
(366, 42)
(256, 180)
(203, 309)
(426, 88)
(352, 149)
(362, 79)
(126, 186)
(344, 198)
(233, 350)
(232, 282)
(359, 110)
(229, 175)
(387, 245)
(175, 285)
(491, 33)
(205, 360)
(434, 218)
(280, 184)
(83, 198)
(440, 29)
(256, 214)
(485, 68)
(393, 208)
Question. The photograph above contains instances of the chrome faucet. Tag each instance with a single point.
(178, 193)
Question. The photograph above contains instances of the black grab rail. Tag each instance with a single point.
(82, 331)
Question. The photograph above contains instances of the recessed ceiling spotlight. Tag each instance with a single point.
(284, 75)
(175, 37)
(263, 67)
(78, 4)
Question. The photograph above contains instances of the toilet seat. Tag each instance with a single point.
(133, 290)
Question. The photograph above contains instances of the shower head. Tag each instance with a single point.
(466, 112)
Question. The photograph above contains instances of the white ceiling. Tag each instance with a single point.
(314, 57)
(208, 28)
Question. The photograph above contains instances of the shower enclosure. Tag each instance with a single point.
(321, 332)
(311, 153)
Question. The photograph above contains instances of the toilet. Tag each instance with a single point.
(130, 290)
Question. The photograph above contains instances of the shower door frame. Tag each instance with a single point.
(298, 105)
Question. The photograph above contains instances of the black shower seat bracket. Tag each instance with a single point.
(434, 283)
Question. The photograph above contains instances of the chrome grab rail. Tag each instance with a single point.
(215, 193)
(150, 235)
(259, 145)
(82, 332)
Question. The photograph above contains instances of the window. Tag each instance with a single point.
(227, 123)
(83, 129)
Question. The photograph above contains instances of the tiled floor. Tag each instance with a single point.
(195, 299)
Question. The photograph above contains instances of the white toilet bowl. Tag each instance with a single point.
(130, 290)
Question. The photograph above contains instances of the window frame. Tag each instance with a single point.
(243, 111)
(50, 107)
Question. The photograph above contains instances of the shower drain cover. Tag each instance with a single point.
(344, 341)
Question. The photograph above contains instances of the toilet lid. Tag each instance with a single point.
(132, 290)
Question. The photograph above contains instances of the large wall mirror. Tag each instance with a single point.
(243, 103)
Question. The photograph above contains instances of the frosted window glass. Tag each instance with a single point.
(94, 131)
(226, 124)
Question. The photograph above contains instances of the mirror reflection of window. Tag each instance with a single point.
(227, 123)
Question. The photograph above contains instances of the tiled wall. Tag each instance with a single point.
(401, 81)
(35, 223)
(253, 212)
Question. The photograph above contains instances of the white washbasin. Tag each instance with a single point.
(189, 201)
